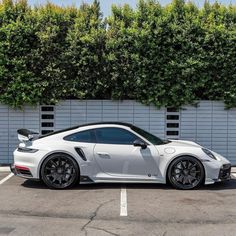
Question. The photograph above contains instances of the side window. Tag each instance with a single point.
(83, 137)
(115, 136)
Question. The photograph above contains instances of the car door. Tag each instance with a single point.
(116, 155)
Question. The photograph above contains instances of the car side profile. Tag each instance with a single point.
(115, 152)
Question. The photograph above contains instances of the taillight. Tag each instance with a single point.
(21, 168)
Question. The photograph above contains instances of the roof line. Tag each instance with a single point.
(88, 124)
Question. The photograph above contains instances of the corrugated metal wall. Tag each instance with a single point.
(10, 121)
(208, 123)
(212, 126)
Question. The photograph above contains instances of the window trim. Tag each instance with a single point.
(95, 140)
(143, 138)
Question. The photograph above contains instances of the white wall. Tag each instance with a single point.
(211, 125)
(10, 121)
(208, 124)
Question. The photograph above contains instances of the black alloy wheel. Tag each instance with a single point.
(186, 172)
(60, 171)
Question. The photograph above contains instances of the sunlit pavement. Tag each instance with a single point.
(29, 208)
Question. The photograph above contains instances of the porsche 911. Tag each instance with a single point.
(115, 152)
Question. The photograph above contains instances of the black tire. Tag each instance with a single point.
(60, 171)
(186, 173)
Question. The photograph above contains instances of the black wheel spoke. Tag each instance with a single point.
(50, 175)
(64, 164)
(60, 180)
(188, 164)
(180, 179)
(68, 176)
(50, 168)
(70, 168)
(176, 174)
(59, 162)
(54, 163)
(194, 165)
(191, 179)
(177, 168)
(54, 178)
(182, 164)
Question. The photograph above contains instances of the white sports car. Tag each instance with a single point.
(115, 152)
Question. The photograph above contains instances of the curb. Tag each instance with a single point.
(5, 169)
(233, 170)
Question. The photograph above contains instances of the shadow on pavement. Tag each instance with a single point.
(214, 187)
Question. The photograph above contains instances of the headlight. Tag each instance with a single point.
(28, 150)
(209, 153)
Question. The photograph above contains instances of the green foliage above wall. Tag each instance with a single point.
(167, 56)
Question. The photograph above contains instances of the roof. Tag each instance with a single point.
(88, 124)
(108, 123)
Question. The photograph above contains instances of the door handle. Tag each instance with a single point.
(104, 155)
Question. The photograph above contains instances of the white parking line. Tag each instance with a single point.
(6, 178)
(123, 202)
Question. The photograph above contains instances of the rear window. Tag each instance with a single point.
(83, 137)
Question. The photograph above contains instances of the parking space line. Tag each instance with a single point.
(6, 178)
(123, 202)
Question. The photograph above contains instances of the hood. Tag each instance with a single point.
(183, 143)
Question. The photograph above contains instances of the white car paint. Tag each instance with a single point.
(116, 163)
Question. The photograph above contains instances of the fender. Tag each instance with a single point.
(56, 152)
(177, 156)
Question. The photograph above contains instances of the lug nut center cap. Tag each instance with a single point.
(59, 170)
(186, 172)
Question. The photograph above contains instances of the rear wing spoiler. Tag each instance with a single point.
(26, 135)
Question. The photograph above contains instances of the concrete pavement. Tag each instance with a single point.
(29, 208)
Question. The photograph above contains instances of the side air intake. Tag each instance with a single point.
(81, 153)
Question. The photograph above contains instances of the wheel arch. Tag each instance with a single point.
(53, 153)
(183, 155)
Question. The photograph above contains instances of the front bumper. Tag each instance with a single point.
(217, 171)
(225, 172)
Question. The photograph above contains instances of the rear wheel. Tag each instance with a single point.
(59, 171)
(186, 173)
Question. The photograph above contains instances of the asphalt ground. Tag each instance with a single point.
(30, 208)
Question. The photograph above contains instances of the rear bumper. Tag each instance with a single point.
(21, 171)
(13, 169)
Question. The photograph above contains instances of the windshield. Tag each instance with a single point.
(150, 137)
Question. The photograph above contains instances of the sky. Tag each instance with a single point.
(106, 4)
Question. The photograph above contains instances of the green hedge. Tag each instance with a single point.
(167, 56)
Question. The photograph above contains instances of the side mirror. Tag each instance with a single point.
(140, 143)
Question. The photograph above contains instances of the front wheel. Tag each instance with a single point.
(59, 171)
(186, 173)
